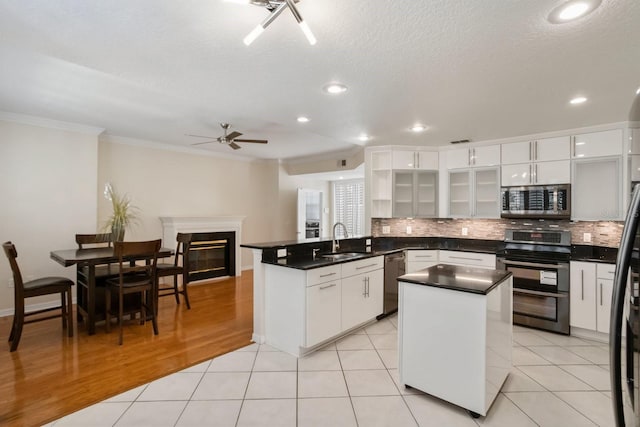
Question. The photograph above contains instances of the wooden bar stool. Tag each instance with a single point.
(35, 288)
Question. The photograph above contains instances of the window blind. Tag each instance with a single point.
(348, 206)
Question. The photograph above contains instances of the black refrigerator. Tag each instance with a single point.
(625, 319)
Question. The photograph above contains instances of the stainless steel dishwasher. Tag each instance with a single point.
(393, 268)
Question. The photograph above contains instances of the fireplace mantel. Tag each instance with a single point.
(172, 225)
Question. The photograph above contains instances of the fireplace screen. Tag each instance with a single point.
(211, 255)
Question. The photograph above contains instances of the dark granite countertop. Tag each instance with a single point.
(300, 253)
(458, 278)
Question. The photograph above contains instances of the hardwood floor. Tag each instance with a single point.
(51, 375)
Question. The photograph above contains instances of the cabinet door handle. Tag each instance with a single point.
(535, 150)
(365, 266)
(474, 156)
(531, 151)
(535, 172)
(582, 282)
(328, 286)
(469, 162)
(573, 145)
(601, 294)
(530, 173)
(327, 275)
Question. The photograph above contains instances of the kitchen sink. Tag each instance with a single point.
(339, 256)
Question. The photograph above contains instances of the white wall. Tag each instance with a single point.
(169, 183)
(48, 194)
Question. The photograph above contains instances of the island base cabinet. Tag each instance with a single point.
(323, 312)
(362, 298)
(455, 345)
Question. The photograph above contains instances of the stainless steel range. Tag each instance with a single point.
(539, 261)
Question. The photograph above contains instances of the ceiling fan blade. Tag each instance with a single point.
(233, 135)
(204, 142)
(257, 141)
(234, 145)
(202, 136)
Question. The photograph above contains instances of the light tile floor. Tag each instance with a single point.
(556, 381)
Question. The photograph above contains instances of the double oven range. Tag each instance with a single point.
(539, 261)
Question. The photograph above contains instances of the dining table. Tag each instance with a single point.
(86, 262)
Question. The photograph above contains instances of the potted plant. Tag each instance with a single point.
(124, 213)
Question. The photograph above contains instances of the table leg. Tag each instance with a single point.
(91, 300)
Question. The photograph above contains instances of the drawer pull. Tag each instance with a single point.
(328, 286)
(462, 257)
(327, 275)
(365, 266)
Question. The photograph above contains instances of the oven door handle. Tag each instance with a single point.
(534, 264)
(539, 293)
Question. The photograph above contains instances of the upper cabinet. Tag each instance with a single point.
(540, 162)
(415, 194)
(412, 159)
(461, 158)
(379, 179)
(597, 144)
(541, 150)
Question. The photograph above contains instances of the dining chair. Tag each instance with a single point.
(134, 279)
(94, 240)
(86, 241)
(179, 267)
(35, 288)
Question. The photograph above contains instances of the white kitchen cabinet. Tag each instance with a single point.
(488, 155)
(474, 193)
(415, 194)
(414, 159)
(471, 259)
(597, 144)
(538, 173)
(362, 291)
(378, 183)
(418, 259)
(306, 308)
(590, 295)
(634, 141)
(582, 295)
(604, 276)
(541, 150)
(596, 189)
(323, 319)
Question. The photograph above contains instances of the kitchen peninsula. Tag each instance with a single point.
(305, 297)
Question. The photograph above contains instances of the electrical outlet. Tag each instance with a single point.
(386, 229)
(408, 229)
(282, 253)
(586, 237)
(465, 231)
(367, 242)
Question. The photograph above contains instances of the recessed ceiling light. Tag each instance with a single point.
(418, 128)
(364, 137)
(302, 119)
(571, 10)
(578, 100)
(335, 88)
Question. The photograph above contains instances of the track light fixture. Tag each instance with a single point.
(275, 7)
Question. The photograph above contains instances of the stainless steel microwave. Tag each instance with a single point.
(536, 201)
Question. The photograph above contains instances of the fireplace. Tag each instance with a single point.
(215, 244)
(211, 255)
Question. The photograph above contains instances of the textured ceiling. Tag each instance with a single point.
(159, 69)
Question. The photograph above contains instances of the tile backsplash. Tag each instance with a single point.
(603, 233)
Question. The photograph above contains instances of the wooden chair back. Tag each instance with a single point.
(103, 239)
(18, 284)
(182, 250)
(146, 249)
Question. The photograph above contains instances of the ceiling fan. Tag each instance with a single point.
(228, 139)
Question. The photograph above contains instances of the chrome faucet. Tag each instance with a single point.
(336, 243)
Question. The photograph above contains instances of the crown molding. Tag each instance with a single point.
(49, 123)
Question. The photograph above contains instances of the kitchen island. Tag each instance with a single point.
(455, 333)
